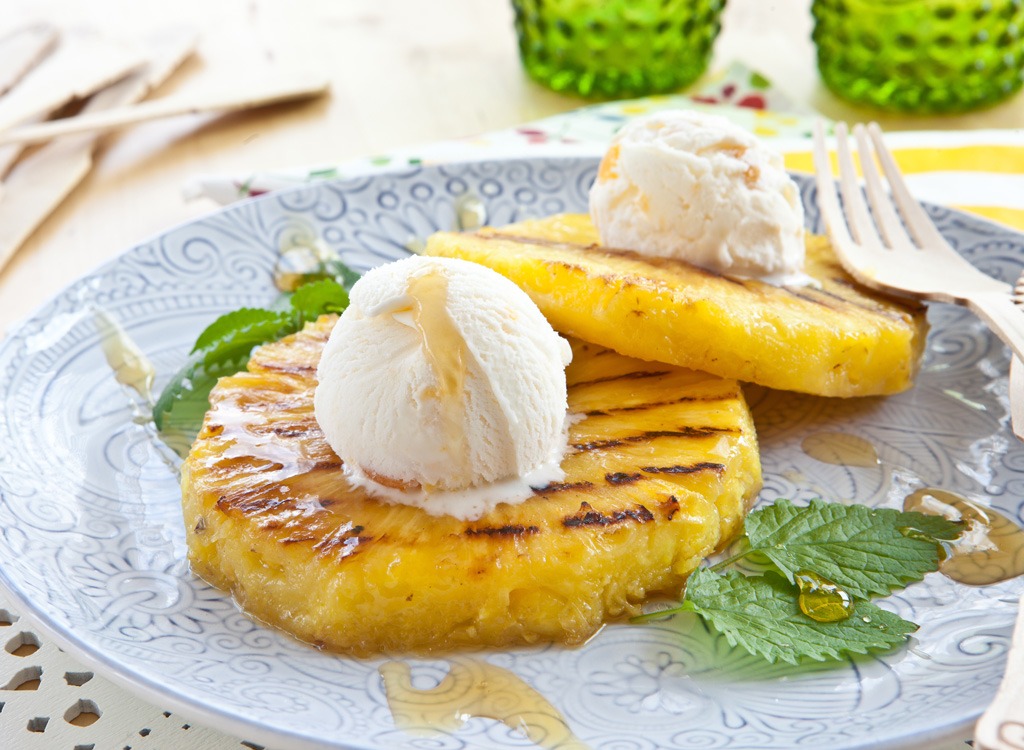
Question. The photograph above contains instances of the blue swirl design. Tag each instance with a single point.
(91, 537)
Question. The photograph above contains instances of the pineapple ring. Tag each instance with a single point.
(660, 473)
(836, 340)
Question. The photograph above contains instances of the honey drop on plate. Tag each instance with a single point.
(474, 687)
(840, 449)
(990, 550)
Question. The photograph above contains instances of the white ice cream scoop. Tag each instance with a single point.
(443, 386)
(698, 188)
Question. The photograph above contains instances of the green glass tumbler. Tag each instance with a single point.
(921, 56)
(613, 48)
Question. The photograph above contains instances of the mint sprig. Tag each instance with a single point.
(312, 300)
(865, 551)
(237, 332)
(761, 615)
(223, 348)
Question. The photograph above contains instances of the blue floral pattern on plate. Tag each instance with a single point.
(91, 539)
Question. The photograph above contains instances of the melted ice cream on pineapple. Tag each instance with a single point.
(698, 188)
(443, 386)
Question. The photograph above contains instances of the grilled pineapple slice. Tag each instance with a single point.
(662, 467)
(837, 340)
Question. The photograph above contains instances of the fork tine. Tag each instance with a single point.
(917, 220)
(861, 223)
(828, 200)
(881, 204)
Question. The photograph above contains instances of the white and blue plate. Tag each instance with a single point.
(92, 543)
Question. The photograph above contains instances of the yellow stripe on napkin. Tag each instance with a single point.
(973, 162)
(998, 159)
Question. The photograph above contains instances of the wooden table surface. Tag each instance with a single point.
(402, 72)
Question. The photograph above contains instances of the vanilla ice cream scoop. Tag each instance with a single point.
(443, 386)
(698, 188)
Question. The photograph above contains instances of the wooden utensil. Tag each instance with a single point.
(81, 64)
(42, 180)
(22, 49)
(266, 92)
(1001, 727)
(1016, 385)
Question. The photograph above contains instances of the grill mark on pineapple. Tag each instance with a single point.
(837, 302)
(814, 300)
(301, 429)
(211, 430)
(249, 502)
(650, 435)
(499, 531)
(621, 477)
(554, 487)
(288, 368)
(857, 298)
(633, 375)
(683, 469)
(657, 404)
(317, 332)
(278, 403)
(592, 248)
(326, 464)
(519, 239)
(587, 516)
(343, 542)
(670, 507)
(296, 539)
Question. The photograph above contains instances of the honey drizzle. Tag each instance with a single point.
(471, 688)
(840, 449)
(131, 367)
(990, 550)
(447, 355)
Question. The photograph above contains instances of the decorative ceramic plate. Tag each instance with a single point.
(92, 539)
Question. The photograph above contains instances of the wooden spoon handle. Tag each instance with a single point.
(1016, 392)
(273, 92)
(1001, 727)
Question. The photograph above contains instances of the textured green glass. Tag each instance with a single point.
(612, 48)
(921, 55)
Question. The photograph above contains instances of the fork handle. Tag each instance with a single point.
(1004, 317)
(1001, 727)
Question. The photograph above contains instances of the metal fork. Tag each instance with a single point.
(918, 264)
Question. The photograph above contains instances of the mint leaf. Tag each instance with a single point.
(230, 324)
(312, 300)
(761, 615)
(223, 348)
(185, 399)
(238, 342)
(866, 551)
